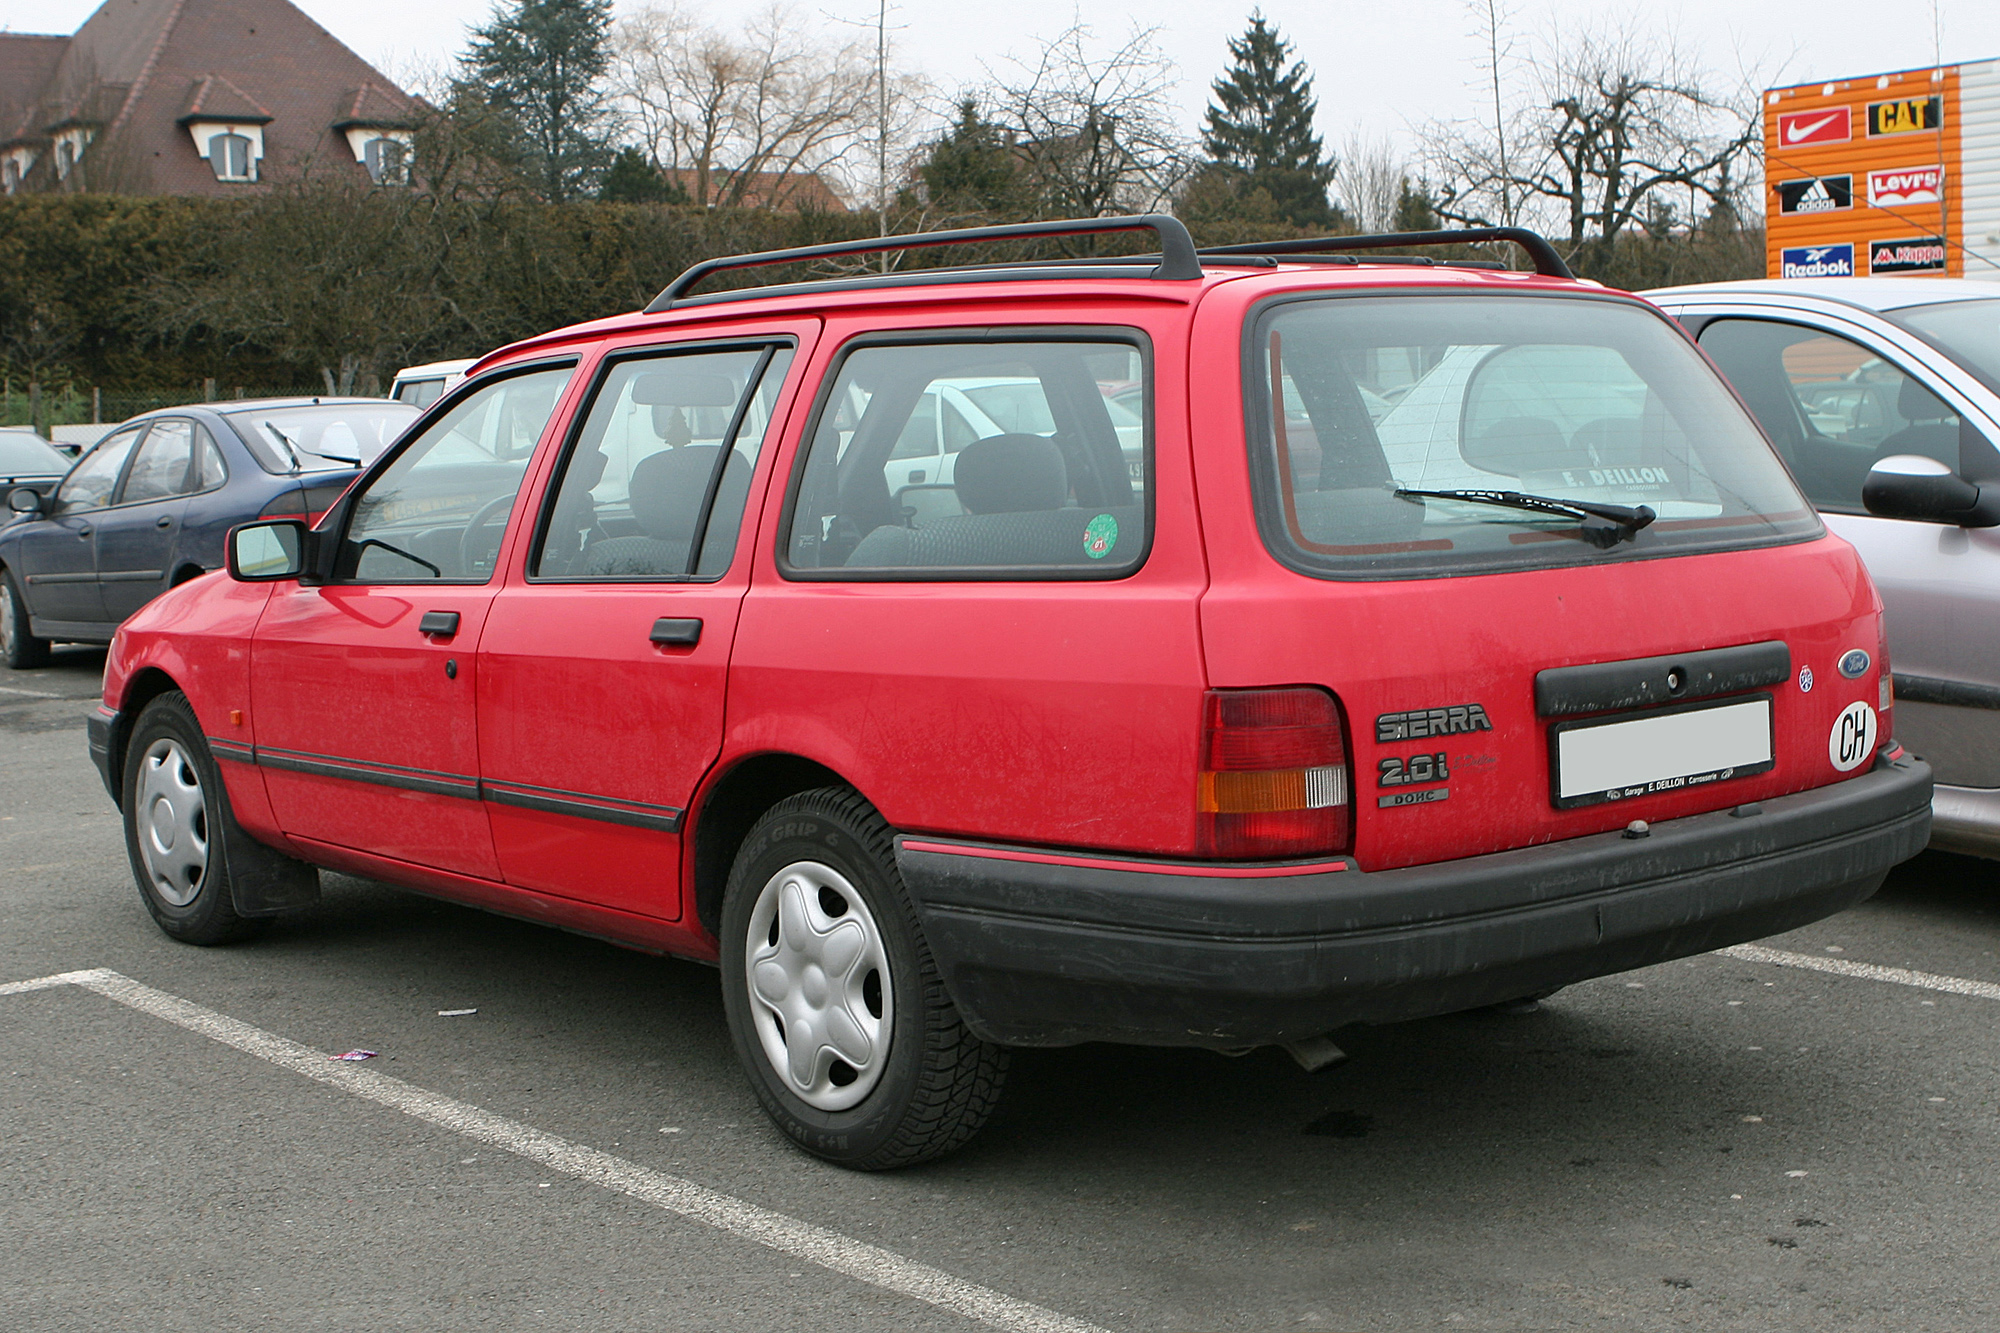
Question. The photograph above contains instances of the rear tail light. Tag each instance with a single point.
(1274, 780)
(1885, 689)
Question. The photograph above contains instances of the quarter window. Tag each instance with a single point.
(1832, 406)
(90, 482)
(1041, 474)
(440, 509)
(657, 482)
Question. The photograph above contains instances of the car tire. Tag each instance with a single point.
(178, 828)
(819, 938)
(18, 645)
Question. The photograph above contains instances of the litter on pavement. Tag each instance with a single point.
(353, 1055)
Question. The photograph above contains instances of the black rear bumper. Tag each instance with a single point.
(1043, 954)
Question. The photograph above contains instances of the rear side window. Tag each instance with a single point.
(1357, 403)
(656, 483)
(164, 465)
(986, 459)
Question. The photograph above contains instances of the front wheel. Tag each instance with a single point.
(18, 645)
(834, 1003)
(176, 817)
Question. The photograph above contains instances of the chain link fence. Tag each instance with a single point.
(45, 407)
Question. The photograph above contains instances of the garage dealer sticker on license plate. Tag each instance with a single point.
(1659, 750)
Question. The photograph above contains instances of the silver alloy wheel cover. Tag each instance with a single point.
(807, 991)
(170, 818)
(6, 617)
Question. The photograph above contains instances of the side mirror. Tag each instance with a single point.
(267, 552)
(1913, 486)
(25, 500)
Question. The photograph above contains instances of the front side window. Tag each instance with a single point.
(1039, 472)
(1833, 407)
(1409, 429)
(439, 510)
(656, 484)
(91, 481)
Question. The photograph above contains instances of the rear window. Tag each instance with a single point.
(324, 437)
(1578, 400)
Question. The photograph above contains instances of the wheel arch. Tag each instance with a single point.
(146, 685)
(735, 801)
(188, 570)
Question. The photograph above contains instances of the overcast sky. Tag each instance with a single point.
(1380, 68)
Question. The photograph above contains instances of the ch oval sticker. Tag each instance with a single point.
(1853, 737)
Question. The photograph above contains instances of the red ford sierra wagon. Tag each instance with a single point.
(1203, 648)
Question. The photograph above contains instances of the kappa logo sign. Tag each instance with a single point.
(1817, 261)
(1816, 194)
(1904, 186)
(1905, 117)
(1917, 254)
(1796, 128)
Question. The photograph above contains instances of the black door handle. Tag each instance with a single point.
(83, 531)
(677, 633)
(164, 522)
(444, 624)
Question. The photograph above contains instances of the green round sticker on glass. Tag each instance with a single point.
(1099, 536)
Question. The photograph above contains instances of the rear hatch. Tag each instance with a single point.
(1554, 575)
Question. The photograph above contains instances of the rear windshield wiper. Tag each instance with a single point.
(1626, 520)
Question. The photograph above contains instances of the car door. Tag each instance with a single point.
(58, 553)
(363, 689)
(136, 536)
(1836, 399)
(602, 670)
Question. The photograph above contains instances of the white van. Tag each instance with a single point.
(420, 386)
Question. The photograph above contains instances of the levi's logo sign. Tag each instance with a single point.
(1816, 261)
(1917, 254)
(1804, 127)
(1816, 194)
(1905, 117)
(1905, 185)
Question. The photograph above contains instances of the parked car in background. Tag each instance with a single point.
(147, 507)
(420, 386)
(26, 459)
(1883, 396)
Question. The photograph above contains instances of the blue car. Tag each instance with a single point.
(147, 507)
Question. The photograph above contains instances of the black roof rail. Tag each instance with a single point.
(1177, 262)
(1547, 262)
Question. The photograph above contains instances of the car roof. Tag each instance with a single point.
(432, 368)
(1878, 294)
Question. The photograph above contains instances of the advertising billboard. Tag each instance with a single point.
(1894, 173)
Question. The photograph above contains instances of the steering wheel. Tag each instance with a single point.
(499, 504)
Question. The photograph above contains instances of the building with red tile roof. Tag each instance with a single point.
(194, 97)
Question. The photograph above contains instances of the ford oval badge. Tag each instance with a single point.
(1854, 664)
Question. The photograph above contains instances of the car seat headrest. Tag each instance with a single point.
(1011, 474)
(667, 489)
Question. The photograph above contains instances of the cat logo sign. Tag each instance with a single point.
(1906, 116)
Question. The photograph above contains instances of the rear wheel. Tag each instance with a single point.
(834, 1003)
(17, 644)
(176, 817)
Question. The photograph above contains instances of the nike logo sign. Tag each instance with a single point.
(1798, 130)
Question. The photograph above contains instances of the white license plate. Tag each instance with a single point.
(1660, 751)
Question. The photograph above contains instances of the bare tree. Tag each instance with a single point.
(1097, 133)
(1371, 181)
(720, 108)
(1618, 133)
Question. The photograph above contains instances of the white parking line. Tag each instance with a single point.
(32, 694)
(816, 1244)
(1900, 976)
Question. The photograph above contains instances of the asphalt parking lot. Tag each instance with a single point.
(1731, 1142)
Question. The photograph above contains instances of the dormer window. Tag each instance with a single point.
(385, 152)
(233, 148)
(15, 164)
(69, 147)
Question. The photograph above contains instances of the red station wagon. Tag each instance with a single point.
(1446, 635)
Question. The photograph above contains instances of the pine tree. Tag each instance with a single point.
(633, 180)
(539, 61)
(974, 167)
(1260, 126)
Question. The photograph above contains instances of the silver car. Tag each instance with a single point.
(1883, 394)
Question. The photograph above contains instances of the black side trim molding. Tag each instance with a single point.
(551, 800)
(1955, 693)
(1603, 687)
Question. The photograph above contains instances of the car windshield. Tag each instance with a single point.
(1505, 412)
(1968, 330)
(321, 437)
(26, 456)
